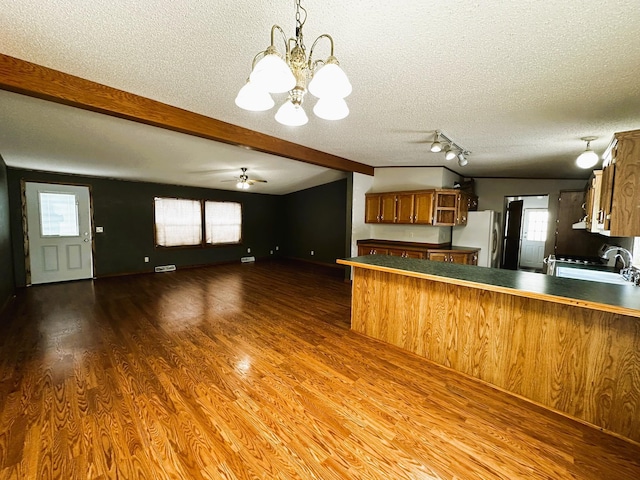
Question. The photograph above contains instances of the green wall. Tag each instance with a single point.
(7, 284)
(316, 219)
(125, 210)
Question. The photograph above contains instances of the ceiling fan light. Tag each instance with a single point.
(330, 81)
(272, 74)
(587, 159)
(331, 108)
(242, 185)
(292, 115)
(253, 98)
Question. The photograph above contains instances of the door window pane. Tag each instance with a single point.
(58, 215)
(537, 227)
(178, 222)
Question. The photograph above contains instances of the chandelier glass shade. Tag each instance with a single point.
(274, 73)
(254, 98)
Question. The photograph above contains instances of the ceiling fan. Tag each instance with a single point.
(243, 182)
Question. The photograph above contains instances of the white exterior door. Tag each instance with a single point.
(59, 232)
(534, 236)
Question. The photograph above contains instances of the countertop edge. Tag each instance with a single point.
(603, 307)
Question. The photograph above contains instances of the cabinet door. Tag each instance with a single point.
(404, 208)
(413, 254)
(438, 256)
(387, 208)
(606, 194)
(396, 252)
(372, 209)
(625, 199)
(461, 258)
(364, 250)
(423, 208)
(463, 208)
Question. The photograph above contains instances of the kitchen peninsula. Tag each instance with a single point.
(569, 345)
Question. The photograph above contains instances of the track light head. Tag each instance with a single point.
(449, 153)
(436, 146)
(462, 160)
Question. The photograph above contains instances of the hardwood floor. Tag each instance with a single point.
(251, 371)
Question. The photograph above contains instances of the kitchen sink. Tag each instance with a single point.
(591, 275)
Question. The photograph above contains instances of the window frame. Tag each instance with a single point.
(203, 243)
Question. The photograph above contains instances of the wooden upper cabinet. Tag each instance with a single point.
(592, 201)
(446, 207)
(620, 193)
(405, 207)
(464, 203)
(423, 208)
(387, 208)
(372, 208)
(440, 207)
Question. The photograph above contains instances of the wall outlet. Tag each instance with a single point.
(146, 259)
(248, 250)
(312, 252)
(99, 229)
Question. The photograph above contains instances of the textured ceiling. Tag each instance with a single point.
(515, 82)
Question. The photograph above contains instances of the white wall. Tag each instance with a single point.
(491, 191)
(412, 178)
(359, 230)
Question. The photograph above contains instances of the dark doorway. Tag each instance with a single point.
(512, 238)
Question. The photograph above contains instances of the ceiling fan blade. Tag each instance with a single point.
(232, 180)
(256, 180)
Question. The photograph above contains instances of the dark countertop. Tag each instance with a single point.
(622, 299)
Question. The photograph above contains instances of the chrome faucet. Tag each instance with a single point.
(626, 271)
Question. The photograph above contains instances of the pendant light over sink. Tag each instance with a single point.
(588, 158)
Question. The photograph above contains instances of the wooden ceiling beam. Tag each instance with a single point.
(34, 80)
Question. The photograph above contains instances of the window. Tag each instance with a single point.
(537, 226)
(59, 215)
(223, 222)
(179, 222)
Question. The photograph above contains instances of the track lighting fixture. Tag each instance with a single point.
(588, 158)
(451, 149)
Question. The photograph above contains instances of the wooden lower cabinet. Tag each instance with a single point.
(435, 252)
(465, 257)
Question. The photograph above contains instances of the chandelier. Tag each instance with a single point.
(273, 72)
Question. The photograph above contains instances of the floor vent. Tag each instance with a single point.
(247, 259)
(165, 268)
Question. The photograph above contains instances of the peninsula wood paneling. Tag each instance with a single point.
(583, 362)
(41, 82)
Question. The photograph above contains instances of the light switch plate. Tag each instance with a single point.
(99, 229)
